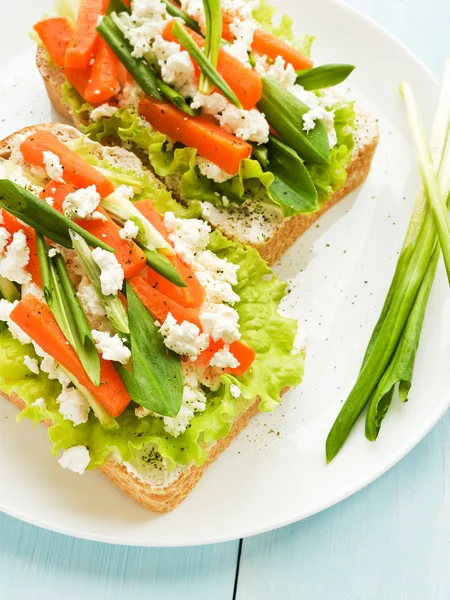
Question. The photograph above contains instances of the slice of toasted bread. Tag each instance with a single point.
(159, 498)
(265, 230)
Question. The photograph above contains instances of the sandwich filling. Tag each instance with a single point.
(137, 331)
(235, 144)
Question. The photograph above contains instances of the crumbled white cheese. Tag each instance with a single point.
(178, 72)
(81, 203)
(242, 8)
(50, 201)
(129, 231)
(112, 275)
(283, 72)
(235, 391)
(130, 98)
(221, 322)
(111, 347)
(213, 104)
(104, 111)
(224, 359)
(248, 125)
(16, 156)
(15, 259)
(31, 363)
(212, 171)
(163, 50)
(97, 215)
(53, 252)
(184, 338)
(53, 166)
(243, 31)
(50, 366)
(73, 406)
(217, 276)
(4, 238)
(187, 235)
(32, 288)
(193, 401)
(76, 459)
(6, 309)
(141, 412)
(327, 117)
(39, 403)
(18, 177)
(195, 9)
(150, 21)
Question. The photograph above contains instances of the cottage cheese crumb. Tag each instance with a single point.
(224, 359)
(76, 459)
(221, 322)
(111, 347)
(31, 363)
(129, 231)
(112, 275)
(53, 166)
(184, 338)
(82, 203)
(40, 403)
(235, 391)
(212, 171)
(248, 125)
(73, 406)
(16, 258)
(141, 412)
(104, 111)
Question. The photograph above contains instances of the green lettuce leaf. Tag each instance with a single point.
(275, 367)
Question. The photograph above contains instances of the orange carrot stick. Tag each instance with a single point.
(104, 81)
(244, 354)
(36, 319)
(85, 37)
(209, 139)
(266, 43)
(129, 255)
(55, 34)
(76, 170)
(191, 296)
(245, 83)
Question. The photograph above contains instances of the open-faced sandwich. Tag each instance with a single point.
(142, 338)
(224, 106)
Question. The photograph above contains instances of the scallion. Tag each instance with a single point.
(213, 38)
(324, 76)
(175, 11)
(207, 68)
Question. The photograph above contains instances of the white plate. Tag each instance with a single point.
(275, 473)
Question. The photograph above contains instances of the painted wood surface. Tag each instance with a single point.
(390, 541)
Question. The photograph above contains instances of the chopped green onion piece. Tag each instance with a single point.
(139, 69)
(205, 66)
(162, 265)
(117, 6)
(324, 76)
(177, 99)
(213, 38)
(436, 196)
(112, 304)
(62, 300)
(8, 290)
(175, 11)
(43, 218)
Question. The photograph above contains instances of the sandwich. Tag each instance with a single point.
(225, 107)
(143, 339)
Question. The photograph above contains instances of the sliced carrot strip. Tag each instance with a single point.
(244, 354)
(130, 256)
(76, 170)
(55, 34)
(209, 139)
(104, 81)
(36, 319)
(13, 225)
(85, 37)
(159, 306)
(245, 83)
(191, 296)
(266, 43)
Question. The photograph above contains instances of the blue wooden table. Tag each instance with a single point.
(390, 541)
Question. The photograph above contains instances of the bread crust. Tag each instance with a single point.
(290, 229)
